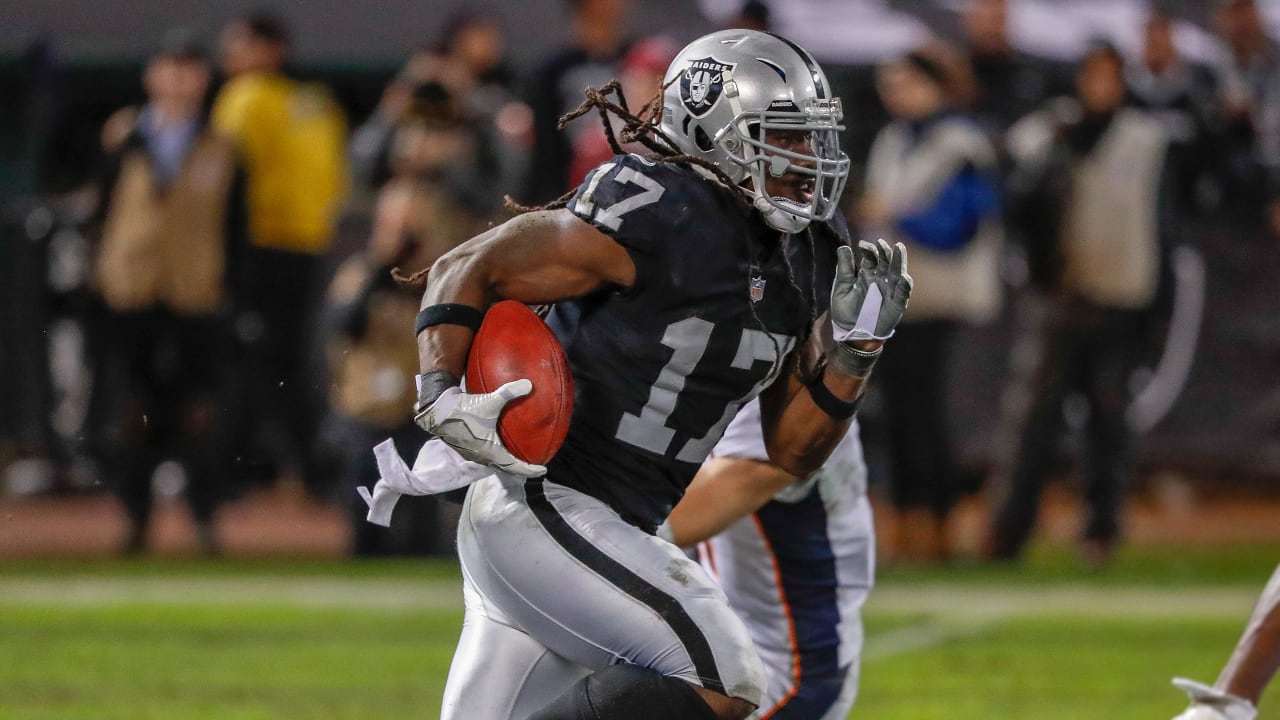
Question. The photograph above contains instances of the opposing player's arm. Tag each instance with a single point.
(725, 490)
(1254, 662)
(803, 422)
(538, 257)
(1257, 656)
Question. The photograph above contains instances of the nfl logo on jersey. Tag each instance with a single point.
(757, 289)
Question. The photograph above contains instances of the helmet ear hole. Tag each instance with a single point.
(701, 139)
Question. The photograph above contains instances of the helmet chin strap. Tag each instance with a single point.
(777, 218)
(773, 216)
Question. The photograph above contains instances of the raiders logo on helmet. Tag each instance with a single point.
(702, 83)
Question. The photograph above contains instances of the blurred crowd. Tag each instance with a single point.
(221, 332)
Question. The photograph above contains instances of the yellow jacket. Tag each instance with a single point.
(291, 137)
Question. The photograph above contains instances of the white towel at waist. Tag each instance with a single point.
(437, 469)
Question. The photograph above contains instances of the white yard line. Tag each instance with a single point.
(312, 592)
(957, 612)
(951, 607)
(959, 600)
(922, 636)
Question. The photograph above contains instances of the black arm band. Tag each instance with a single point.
(829, 403)
(449, 314)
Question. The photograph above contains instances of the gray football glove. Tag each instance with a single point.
(869, 299)
(469, 424)
(1208, 703)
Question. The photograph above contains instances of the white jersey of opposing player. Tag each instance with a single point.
(798, 572)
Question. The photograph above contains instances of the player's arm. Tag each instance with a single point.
(1257, 656)
(1255, 660)
(798, 433)
(802, 422)
(538, 257)
(725, 490)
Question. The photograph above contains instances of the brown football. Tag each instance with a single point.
(513, 343)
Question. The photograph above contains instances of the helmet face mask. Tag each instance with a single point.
(758, 108)
(801, 143)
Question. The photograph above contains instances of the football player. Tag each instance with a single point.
(796, 559)
(681, 284)
(1256, 658)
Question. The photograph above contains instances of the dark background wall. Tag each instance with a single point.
(328, 31)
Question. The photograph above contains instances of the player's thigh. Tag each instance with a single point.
(827, 696)
(499, 672)
(800, 573)
(568, 570)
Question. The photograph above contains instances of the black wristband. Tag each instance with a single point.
(829, 403)
(855, 362)
(449, 314)
(432, 386)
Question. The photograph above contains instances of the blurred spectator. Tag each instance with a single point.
(290, 136)
(591, 60)
(468, 62)
(373, 353)
(173, 217)
(1087, 200)
(1009, 84)
(371, 141)
(1246, 85)
(932, 183)
(1177, 95)
(640, 75)
(486, 93)
(1252, 57)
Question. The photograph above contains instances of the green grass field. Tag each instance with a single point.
(263, 640)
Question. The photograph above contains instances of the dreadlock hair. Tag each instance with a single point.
(643, 127)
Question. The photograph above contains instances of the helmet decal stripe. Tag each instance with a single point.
(820, 88)
(775, 67)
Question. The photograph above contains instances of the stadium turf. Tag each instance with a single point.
(266, 640)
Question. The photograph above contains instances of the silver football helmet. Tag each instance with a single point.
(756, 105)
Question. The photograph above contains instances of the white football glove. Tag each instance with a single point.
(1209, 703)
(469, 424)
(869, 299)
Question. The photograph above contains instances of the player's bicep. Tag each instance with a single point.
(553, 255)
(610, 233)
(626, 199)
(539, 257)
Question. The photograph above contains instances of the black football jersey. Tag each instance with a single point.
(661, 367)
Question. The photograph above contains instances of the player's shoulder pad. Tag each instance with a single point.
(636, 200)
